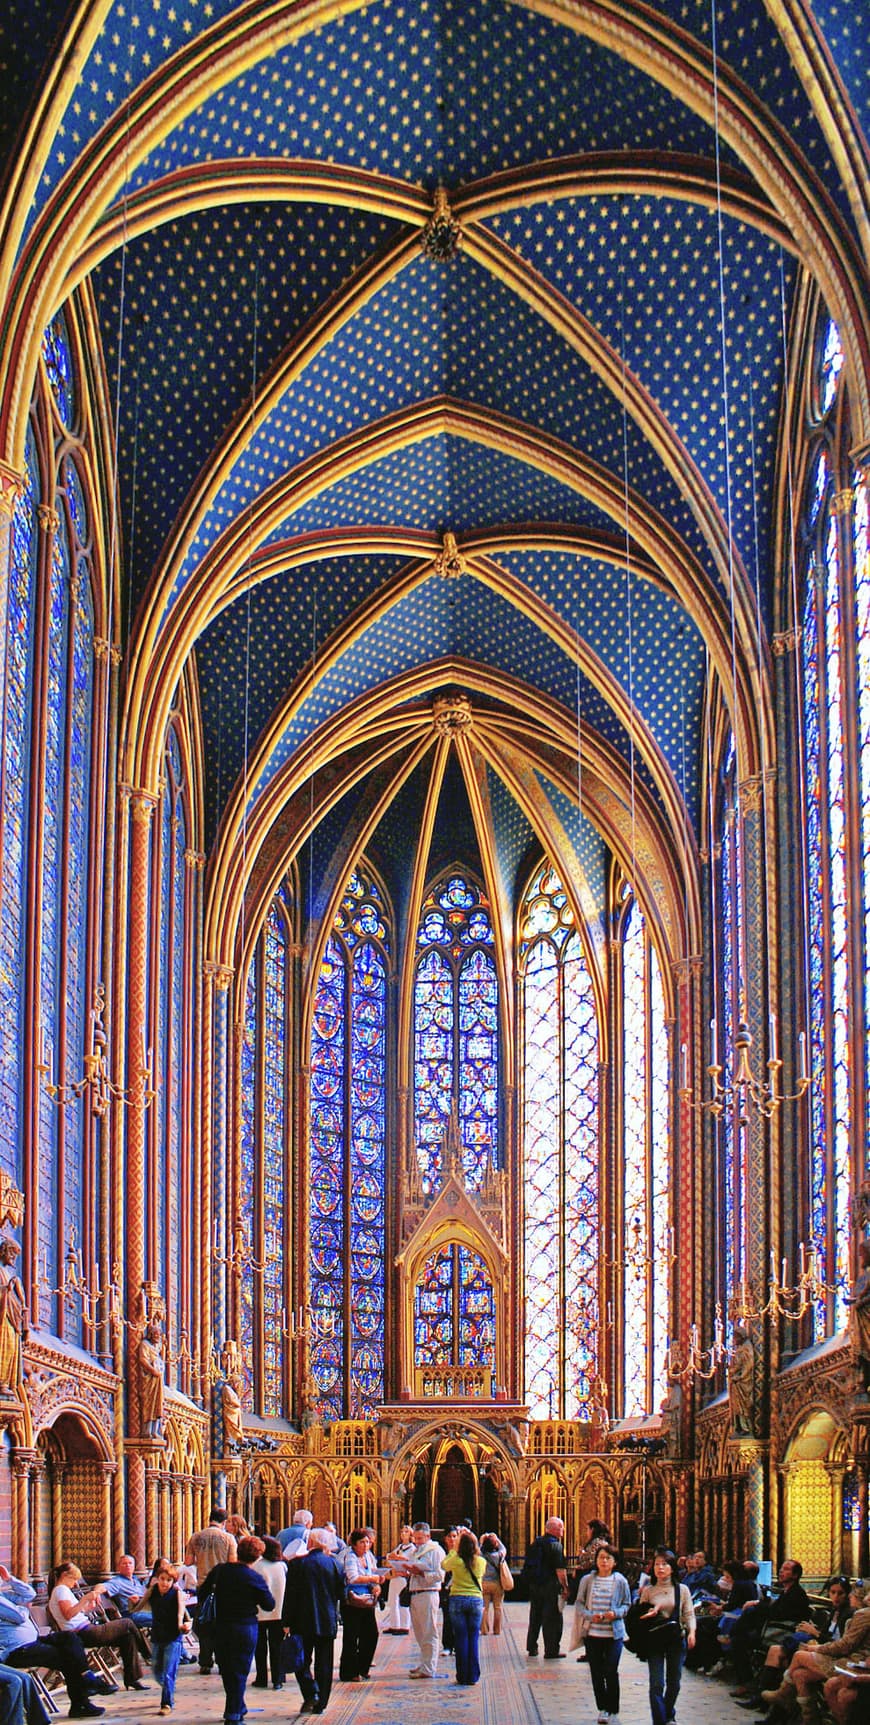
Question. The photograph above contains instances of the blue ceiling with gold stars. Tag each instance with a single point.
(592, 367)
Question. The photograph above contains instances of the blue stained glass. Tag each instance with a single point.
(19, 679)
(825, 713)
(76, 499)
(59, 367)
(176, 1069)
(861, 549)
(454, 1311)
(248, 1148)
(733, 1124)
(434, 1017)
(455, 1032)
(159, 1139)
(348, 1080)
(50, 981)
(77, 854)
(831, 366)
(478, 1066)
(274, 1132)
(326, 1159)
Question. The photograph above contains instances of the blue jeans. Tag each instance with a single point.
(234, 1651)
(665, 1671)
(164, 1663)
(466, 1616)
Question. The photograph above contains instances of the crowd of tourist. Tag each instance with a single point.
(275, 1605)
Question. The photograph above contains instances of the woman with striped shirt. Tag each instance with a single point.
(603, 1599)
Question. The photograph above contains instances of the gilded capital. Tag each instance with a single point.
(48, 518)
(142, 805)
(11, 487)
(842, 501)
(786, 642)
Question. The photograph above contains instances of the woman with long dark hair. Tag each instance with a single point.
(603, 1599)
(669, 1620)
(466, 1569)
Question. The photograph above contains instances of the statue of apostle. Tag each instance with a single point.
(14, 1318)
(859, 1315)
(741, 1384)
(231, 1413)
(149, 1357)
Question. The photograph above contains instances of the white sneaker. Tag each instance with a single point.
(603, 1718)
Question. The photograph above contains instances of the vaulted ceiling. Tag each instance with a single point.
(574, 368)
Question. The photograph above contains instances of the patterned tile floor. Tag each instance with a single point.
(513, 1690)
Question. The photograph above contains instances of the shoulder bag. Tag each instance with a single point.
(505, 1576)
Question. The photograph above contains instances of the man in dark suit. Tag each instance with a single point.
(315, 1587)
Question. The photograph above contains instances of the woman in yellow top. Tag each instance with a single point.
(466, 1568)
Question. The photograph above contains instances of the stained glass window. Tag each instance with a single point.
(456, 1032)
(58, 364)
(861, 552)
(454, 1310)
(729, 923)
(262, 1196)
(560, 1154)
(347, 1151)
(645, 1170)
(16, 781)
(829, 986)
(169, 1184)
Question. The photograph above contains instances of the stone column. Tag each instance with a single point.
(152, 1514)
(58, 1474)
(141, 809)
(752, 1465)
(22, 1460)
(109, 1470)
(37, 1475)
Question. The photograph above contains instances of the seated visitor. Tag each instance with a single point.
(23, 1648)
(761, 1620)
(69, 1611)
(814, 1663)
(780, 1654)
(124, 1592)
(735, 1589)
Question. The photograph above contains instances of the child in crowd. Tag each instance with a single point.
(169, 1623)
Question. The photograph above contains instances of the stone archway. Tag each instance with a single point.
(813, 1518)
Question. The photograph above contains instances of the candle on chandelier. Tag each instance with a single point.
(684, 1066)
(772, 1027)
(714, 1042)
(803, 1072)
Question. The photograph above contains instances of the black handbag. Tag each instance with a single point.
(405, 1596)
(207, 1611)
(293, 1655)
(635, 1630)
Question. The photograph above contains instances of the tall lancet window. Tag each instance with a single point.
(561, 1154)
(646, 1217)
(171, 1198)
(827, 747)
(265, 1150)
(62, 741)
(456, 1061)
(347, 1156)
(728, 939)
(16, 783)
